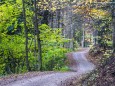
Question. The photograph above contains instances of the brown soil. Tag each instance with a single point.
(104, 75)
(70, 60)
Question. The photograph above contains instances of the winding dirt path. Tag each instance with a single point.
(83, 66)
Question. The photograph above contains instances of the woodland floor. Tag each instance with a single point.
(77, 62)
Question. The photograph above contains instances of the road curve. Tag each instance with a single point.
(56, 79)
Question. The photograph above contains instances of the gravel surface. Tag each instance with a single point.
(16, 77)
(83, 66)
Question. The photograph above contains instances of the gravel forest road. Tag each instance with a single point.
(83, 66)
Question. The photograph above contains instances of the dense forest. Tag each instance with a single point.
(35, 35)
(32, 36)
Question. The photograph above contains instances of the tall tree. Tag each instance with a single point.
(26, 35)
(83, 36)
(38, 36)
(113, 23)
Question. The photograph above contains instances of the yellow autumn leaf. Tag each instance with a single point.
(53, 8)
(98, 13)
(90, 1)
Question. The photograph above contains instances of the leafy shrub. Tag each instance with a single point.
(52, 47)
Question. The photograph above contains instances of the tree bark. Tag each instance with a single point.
(38, 37)
(52, 20)
(83, 37)
(113, 23)
(58, 17)
(26, 35)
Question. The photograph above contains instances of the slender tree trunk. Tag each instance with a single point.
(71, 31)
(113, 23)
(26, 35)
(58, 17)
(83, 37)
(58, 13)
(71, 26)
(52, 20)
(95, 37)
(74, 36)
(52, 14)
(38, 36)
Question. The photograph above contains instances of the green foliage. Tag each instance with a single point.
(11, 46)
(9, 14)
(11, 56)
(12, 41)
(104, 32)
(78, 35)
(63, 69)
(52, 48)
(12, 51)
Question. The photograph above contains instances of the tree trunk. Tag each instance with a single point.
(38, 36)
(58, 17)
(113, 23)
(26, 35)
(52, 20)
(83, 37)
(70, 26)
